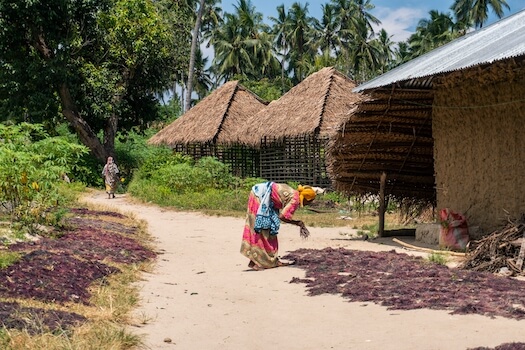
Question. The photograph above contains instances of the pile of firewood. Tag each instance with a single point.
(502, 250)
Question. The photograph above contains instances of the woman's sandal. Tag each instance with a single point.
(254, 266)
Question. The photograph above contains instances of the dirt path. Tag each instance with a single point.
(202, 296)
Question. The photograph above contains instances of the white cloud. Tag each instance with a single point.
(399, 23)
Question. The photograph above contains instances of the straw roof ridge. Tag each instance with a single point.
(325, 100)
(206, 121)
(316, 106)
(230, 100)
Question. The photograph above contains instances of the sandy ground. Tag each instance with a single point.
(201, 295)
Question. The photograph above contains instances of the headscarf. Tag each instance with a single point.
(306, 192)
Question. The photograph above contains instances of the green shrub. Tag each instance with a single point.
(31, 168)
(220, 172)
(336, 197)
(181, 178)
(162, 157)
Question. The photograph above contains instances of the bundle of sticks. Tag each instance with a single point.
(502, 248)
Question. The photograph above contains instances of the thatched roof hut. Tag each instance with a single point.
(210, 128)
(444, 127)
(390, 132)
(316, 106)
(292, 131)
(214, 120)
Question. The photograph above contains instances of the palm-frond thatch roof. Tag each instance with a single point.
(316, 106)
(390, 132)
(215, 119)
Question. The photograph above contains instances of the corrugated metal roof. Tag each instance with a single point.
(501, 40)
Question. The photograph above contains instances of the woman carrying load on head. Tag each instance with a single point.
(111, 178)
(268, 204)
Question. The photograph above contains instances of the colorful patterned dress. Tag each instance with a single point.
(111, 177)
(261, 247)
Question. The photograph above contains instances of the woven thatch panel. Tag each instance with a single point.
(209, 120)
(243, 160)
(389, 132)
(478, 122)
(318, 105)
(299, 158)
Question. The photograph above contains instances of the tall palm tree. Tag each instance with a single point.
(211, 18)
(250, 21)
(242, 44)
(279, 28)
(363, 9)
(433, 32)
(384, 46)
(356, 32)
(194, 46)
(476, 11)
(202, 79)
(364, 55)
(402, 53)
(326, 31)
(267, 65)
(300, 38)
(279, 31)
(231, 50)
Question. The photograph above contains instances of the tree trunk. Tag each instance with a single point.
(84, 132)
(193, 52)
(70, 110)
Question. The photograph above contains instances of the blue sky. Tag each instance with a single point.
(398, 17)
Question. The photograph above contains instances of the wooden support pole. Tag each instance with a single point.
(427, 250)
(382, 206)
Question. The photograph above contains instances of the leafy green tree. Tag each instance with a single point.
(98, 63)
(266, 89)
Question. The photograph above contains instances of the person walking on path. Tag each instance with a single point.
(111, 178)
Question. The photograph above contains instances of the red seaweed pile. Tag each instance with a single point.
(37, 320)
(52, 277)
(61, 270)
(94, 240)
(506, 346)
(404, 282)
